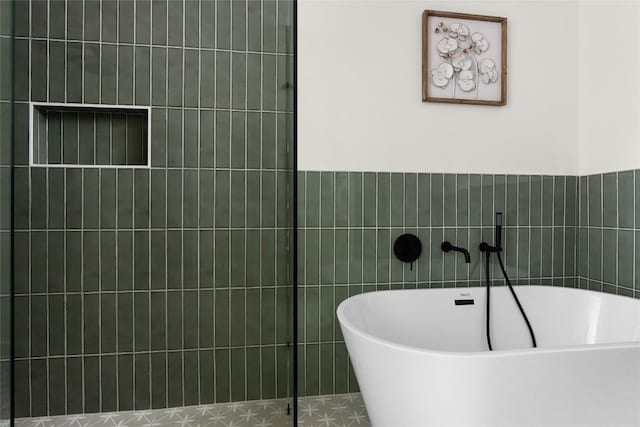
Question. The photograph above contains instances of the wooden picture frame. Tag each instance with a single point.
(466, 53)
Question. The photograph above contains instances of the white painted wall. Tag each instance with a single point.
(360, 104)
(609, 34)
(573, 90)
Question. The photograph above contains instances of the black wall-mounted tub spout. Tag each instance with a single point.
(447, 247)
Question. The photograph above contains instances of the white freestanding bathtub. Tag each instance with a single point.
(421, 360)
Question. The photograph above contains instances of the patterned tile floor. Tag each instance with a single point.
(343, 410)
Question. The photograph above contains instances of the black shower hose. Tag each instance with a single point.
(515, 297)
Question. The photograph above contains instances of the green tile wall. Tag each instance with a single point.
(349, 221)
(165, 286)
(609, 233)
(6, 121)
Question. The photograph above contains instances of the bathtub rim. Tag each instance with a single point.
(483, 354)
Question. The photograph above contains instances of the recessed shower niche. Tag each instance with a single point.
(89, 135)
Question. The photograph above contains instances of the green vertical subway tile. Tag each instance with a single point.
(369, 205)
(449, 271)
(91, 77)
(74, 72)
(312, 314)
(422, 265)
(190, 259)
(91, 201)
(73, 204)
(637, 260)
(118, 139)
(582, 251)
(463, 189)
(108, 383)
(595, 254)
(90, 261)
(86, 143)
(223, 24)
(268, 199)
(191, 320)
(571, 204)
(39, 70)
(559, 192)
(221, 259)
(125, 75)
(268, 135)
(223, 79)
(125, 199)
(22, 262)
(174, 137)
(190, 199)
(437, 200)
(327, 250)
(141, 257)
(383, 199)
(269, 82)
(535, 252)
(107, 198)
(191, 70)
(55, 261)
(125, 382)
(207, 69)
(268, 261)
(524, 256)
(73, 267)
(102, 139)
(158, 320)
(174, 76)
(74, 20)
(174, 259)
(174, 198)
(238, 136)
(175, 19)
(238, 261)
(205, 318)
(221, 318)
(222, 375)
(107, 260)
(21, 62)
(252, 321)
(56, 75)
(222, 139)
(74, 385)
(625, 199)
(57, 19)
(108, 338)
(595, 200)
(269, 25)
(355, 256)
(54, 137)
(284, 184)
(354, 193)
(254, 26)
(547, 200)
(609, 200)
(570, 242)
(238, 316)
(208, 26)
(424, 200)
(254, 70)
(253, 373)
(312, 365)
(206, 198)
(190, 378)
(158, 198)
(369, 256)
(142, 373)
(125, 260)
(143, 21)
(174, 320)
(205, 261)
(609, 256)
(38, 325)
(437, 261)
(284, 92)
(141, 78)
(207, 377)
(55, 324)
(238, 80)
(326, 369)
(125, 321)
(141, 321)
(159, 22)
(341, 199)
(462, 268)
(239, 25)
(511, 210)
(109, 21)
(312, 199)
(91, 323)
(141, 199)
(158, 259)
(396, 200)
(327, 199)
(222, 189)
(91, 380)
(480, 199)
(523, 200)
(158, 379)
(449, 197)
(40, 19)
(21, 19)
(158, 76)
(108, 74)
(192, 21)
(207, 147)
(583, 209)
(383, 255)
(499, 196)
(625, 258)
(56, 381)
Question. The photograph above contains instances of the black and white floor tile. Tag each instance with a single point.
(345, 410)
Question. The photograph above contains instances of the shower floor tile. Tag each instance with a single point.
(342, 410)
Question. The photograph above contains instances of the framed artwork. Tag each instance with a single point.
(464, 58)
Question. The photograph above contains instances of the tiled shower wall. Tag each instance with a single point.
(165, 286)
(609, 233)
(350, 220)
